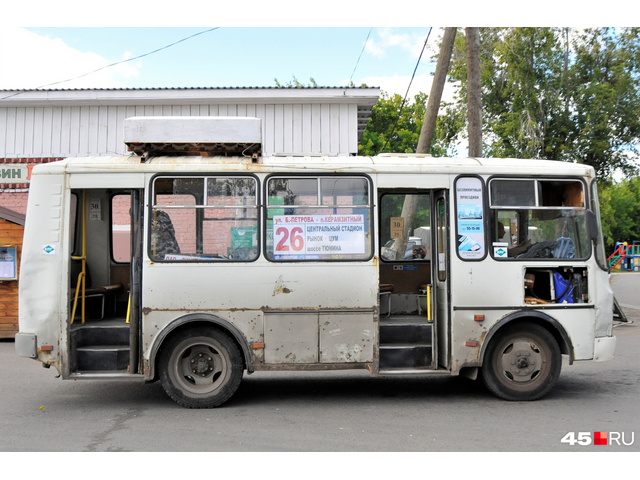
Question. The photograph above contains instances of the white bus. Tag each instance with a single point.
(191, 269)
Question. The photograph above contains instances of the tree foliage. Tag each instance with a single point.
(620, 211)
(294, 83)
(395, 128)
(558, 93)
(553, 93)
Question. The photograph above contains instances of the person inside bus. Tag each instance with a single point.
(512, 251)
(163, 236)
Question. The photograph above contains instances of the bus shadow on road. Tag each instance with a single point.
(328, 389)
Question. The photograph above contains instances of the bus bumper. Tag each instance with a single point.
(604, 348)
(26, 345)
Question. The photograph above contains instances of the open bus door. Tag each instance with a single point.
(104, 292)
(407, 329)
(441, 277)
(135, 291)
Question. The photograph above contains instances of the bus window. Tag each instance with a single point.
(121, 228)
(204, 219)
(73, 226)
(318, 218)
(405, 233)
(538, 219)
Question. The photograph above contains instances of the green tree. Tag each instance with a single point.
(558, 93)
(394, 128)
(620, 211)
(605, 96)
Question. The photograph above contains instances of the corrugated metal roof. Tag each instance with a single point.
(182, 88)
(11, 216)
(364, 97)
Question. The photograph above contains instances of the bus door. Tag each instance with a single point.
(98, 285)
(405, 282)
(441, 276)
(135, 278)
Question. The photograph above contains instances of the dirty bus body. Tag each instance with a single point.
(199, 268)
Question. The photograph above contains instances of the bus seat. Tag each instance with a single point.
(386, 288)
(385, 291)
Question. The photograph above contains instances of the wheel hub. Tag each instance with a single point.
(521, 361)
(201, 364)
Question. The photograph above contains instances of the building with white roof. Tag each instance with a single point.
(40, 126)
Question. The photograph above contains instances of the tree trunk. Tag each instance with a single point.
(433, 104)
(474, 95)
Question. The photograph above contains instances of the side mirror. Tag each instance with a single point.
(592, 226)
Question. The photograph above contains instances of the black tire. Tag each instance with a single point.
(523, 363)
(200, 367)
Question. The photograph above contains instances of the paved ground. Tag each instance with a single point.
(327, 411)
(626, 287)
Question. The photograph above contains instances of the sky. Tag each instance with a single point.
(46, 57)
(255, 43)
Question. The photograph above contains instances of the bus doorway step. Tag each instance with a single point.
(100, 347)
(405, 343)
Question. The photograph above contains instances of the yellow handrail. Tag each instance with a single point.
(83, 258)
(129, 308)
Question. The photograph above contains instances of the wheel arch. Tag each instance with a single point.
(531, 317)
(193, 320)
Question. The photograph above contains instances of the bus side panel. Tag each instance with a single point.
(302, 313)
(504, 295)
(43, 280)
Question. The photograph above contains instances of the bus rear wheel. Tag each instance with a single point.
(523, 363)
(200, 367)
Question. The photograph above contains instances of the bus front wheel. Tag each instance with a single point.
(522, 363)
(200, 367)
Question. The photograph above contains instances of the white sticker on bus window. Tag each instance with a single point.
(500, 249)
(314, 236)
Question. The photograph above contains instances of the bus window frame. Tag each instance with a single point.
(74, 222)
(319, 176)
(196, 208)
(594, 203)
(537, 207)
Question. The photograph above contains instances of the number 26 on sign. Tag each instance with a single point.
(289, 239)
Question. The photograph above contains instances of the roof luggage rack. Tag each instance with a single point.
(194, 136)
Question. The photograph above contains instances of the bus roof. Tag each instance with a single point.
(385, 163)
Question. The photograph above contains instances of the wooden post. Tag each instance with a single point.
(433, 104)
(474, 93)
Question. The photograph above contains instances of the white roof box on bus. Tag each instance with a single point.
(205, 136)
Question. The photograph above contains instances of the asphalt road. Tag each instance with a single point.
(327, 411)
